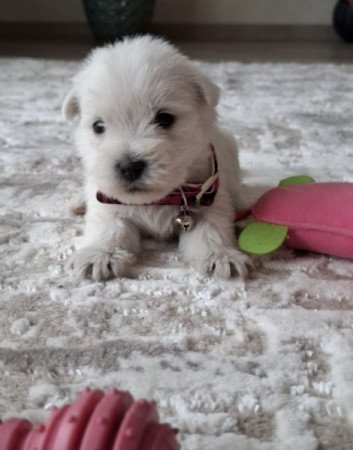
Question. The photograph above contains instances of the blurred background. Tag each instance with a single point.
(296, 12)
(247, 30)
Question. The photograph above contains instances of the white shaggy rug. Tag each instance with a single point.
(265, 364)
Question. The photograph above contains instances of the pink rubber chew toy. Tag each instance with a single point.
(95, 421)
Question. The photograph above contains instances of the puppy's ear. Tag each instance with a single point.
(71, 108)
(206, 90)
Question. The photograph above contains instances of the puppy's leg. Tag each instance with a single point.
(78, 205)
(210, 246)
(108, 248)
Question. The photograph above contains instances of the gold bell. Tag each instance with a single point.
(185, 221)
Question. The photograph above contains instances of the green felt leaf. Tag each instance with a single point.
(298, 179)
(261, 238)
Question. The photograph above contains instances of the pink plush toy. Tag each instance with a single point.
(95, 421)
(304, 215)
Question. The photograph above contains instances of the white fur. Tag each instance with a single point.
(125, 85)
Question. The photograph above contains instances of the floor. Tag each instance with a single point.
(330, 51)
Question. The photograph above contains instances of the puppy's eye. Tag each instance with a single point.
(164, 119)
(99, 127)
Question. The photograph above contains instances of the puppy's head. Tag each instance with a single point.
(144, 114)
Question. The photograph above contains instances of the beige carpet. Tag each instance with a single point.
(263, 365)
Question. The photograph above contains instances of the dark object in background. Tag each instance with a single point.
(343, 19)
(110, 20)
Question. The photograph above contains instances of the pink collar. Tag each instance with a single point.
(195, 193)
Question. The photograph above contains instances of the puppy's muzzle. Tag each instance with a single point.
(130, 170)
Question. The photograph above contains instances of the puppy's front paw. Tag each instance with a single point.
(100, 264)
(226, 262)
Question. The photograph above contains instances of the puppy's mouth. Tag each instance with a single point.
(142, 191)
(142, 187)
(137, 193)
(136, 189)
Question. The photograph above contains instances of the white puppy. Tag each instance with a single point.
(146, 125)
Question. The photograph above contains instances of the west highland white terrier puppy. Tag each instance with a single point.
(156, 161)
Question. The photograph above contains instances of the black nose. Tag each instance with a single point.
(131, 170)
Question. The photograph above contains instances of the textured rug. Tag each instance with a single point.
(264, 364)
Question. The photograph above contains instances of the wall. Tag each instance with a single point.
(285, 12)
(280, 12)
